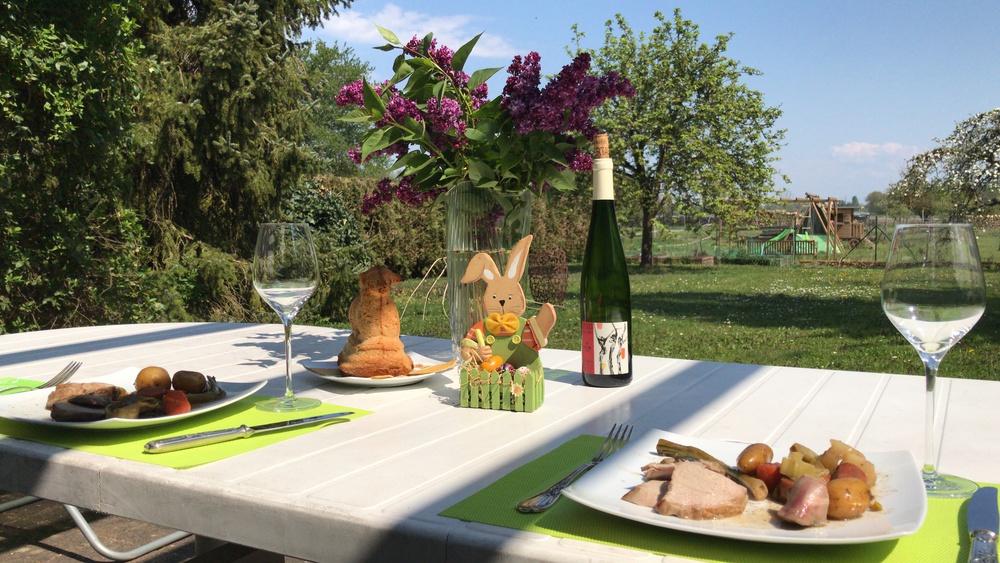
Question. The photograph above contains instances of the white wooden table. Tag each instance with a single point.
(372, 489)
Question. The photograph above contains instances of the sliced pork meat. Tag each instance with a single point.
(660, 470)
(647, 494)
(695, 492)
(807, 503)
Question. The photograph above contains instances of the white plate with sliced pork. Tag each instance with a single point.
(899, 490)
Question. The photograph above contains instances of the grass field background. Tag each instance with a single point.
(804, 315)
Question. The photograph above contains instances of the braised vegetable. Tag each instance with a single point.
(213, 393)
(176, 402)
(132, 406)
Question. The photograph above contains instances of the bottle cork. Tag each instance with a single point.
(601, 149)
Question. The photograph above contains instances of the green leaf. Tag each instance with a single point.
(427, 176)
(380, 139)
(388, 35)
(425, 44)
(372, 101)
(562, 180)
(460, 56)
(476, 135)
(479, 171)
(417, 130)
(384, 48)
(357, 116)
(482, 75)
(412, 162)
(438, 91)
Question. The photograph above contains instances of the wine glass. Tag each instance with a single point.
(285, 274)
(933, 292)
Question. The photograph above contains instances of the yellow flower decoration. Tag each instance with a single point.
(502, 324)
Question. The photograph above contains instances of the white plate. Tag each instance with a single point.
(30, 406)
(423, 367)
(900, 489)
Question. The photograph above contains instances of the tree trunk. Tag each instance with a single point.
(646, 247)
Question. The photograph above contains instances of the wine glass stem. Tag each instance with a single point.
(930, 451)
(287, 322)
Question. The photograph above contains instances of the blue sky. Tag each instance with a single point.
(863, 85)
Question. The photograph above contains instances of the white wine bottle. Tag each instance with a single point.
(605, 297)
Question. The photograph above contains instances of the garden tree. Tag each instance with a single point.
(874, 201)
(70, 252)
(693, 136)
(219, 137)
(328, 69)
(959, 178)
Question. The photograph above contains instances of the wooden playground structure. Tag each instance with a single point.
(816, 226)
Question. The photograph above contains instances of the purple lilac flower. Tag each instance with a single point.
(443, 115)
(521, 94)
(405, 191)
(442, 57)
(565, 103)
(579, 160)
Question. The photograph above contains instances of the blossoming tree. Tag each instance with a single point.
(965, 169)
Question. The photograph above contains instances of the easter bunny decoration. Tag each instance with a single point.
(505, 336)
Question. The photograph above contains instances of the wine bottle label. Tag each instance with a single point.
(605, 348)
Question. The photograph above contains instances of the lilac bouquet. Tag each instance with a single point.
(443, 128)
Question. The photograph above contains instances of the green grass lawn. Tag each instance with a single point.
(806, 316)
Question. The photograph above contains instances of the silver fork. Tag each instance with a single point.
(617, 438)
(61, 377)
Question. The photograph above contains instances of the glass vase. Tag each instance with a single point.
(479, 220)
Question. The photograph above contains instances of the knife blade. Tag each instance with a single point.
(216, 436)
(984, 520)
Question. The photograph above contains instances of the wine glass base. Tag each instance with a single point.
(288, 404)
(949, 486)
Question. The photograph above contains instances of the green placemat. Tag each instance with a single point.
(941, 538)
(128, 444)
(14, 381)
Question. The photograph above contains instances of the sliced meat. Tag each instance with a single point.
(64, 391)
(807, 503)
(659, 471)
(648, 493)
(696, 492)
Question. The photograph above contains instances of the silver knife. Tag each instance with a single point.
(215, 436)
(983, 523)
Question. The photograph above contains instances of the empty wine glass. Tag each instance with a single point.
(285, 274)
(933, 292)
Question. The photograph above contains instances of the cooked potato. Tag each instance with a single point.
(753, 456)
(151, 376)
(190, 381)
(849, 498)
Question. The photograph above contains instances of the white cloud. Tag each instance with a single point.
(357, 27)
(867, 152)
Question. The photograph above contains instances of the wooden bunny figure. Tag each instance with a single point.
(505, 332)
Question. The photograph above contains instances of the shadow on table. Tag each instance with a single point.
(670, 404)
